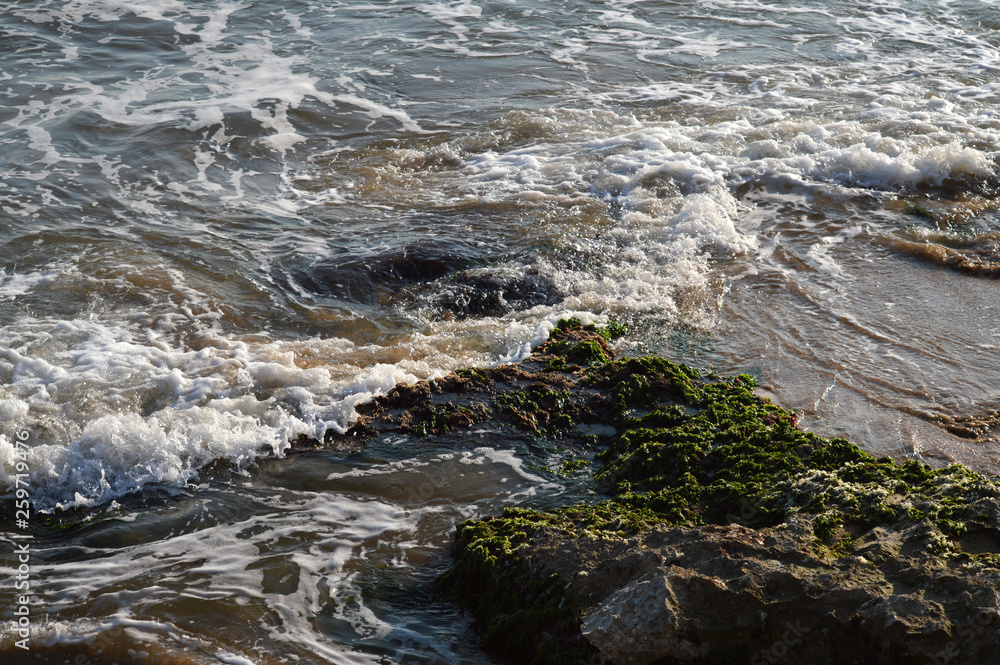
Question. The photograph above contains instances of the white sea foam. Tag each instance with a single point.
(113, 413)
(672, 186)
(217, 79)
(77, 11)
(375, 110)
(673, 175)
(16, 284)
(116, 406)
(445, 11)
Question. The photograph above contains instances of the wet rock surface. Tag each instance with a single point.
(731, 594)
(363, 279)
(495, 292)
(542, 396)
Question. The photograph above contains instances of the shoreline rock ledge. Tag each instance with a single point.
(728, 534)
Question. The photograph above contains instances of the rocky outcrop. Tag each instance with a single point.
(731, 594)
(728, 535)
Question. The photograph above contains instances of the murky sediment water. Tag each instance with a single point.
(226, 223)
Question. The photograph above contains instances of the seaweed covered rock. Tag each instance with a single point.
(545, 395)
(729, 535)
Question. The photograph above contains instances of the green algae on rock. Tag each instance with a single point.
(543, 396)
(726, 523)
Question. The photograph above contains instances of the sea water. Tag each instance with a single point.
(225, 224)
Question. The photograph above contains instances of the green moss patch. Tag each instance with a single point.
(525, 616)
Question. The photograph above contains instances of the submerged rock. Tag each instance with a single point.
(495, 292)
(364, 279)
(982, 261)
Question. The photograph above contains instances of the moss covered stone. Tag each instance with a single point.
(690, 453)
(527, 616)
(545, 396)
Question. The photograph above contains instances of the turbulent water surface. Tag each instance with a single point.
(224, 224)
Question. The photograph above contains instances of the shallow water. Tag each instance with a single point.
(226, 223)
